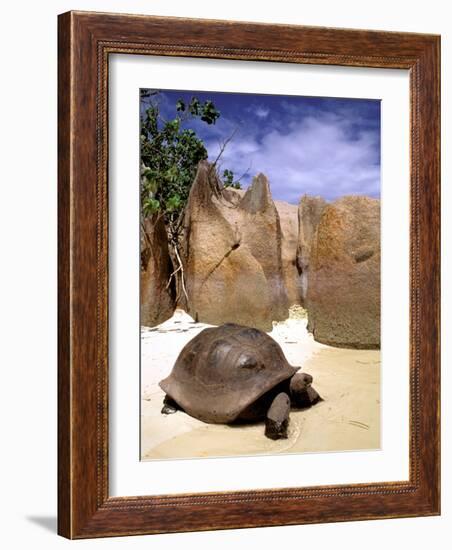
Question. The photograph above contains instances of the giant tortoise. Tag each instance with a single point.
(232, 373)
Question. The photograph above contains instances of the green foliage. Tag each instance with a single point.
(228, 180)
(170, 155)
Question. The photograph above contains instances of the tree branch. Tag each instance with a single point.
(223, 147)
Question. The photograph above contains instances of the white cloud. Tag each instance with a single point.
(262, 112)
(317, 155)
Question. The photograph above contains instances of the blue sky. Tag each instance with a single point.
(320, 146)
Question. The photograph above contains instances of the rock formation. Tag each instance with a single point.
(247, 259)
(261, 232)
(288, 217)
(233, 263)
(157, 299)
(343, 294)
(310, 210)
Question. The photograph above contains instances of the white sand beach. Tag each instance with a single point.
(348, 381)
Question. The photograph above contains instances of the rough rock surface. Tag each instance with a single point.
(157, 301)
(233, 264)
(288, 216)
(262, 235)
(343, 297)
(309, 212)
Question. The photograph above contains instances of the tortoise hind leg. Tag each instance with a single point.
(278, 417)
(169, 406)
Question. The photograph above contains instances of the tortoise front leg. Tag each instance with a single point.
(278, 417)
(301, 391)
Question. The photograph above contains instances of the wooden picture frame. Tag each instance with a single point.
(86, 40)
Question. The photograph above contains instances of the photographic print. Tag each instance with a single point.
(238, 298)
(259, 274)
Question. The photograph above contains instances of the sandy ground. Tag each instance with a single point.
(347, 419)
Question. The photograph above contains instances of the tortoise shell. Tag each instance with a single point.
(223, 370)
